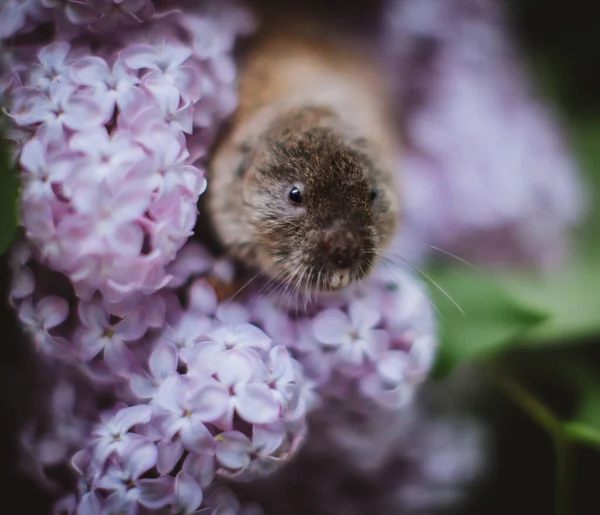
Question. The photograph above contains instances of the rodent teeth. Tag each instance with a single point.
(340, 279)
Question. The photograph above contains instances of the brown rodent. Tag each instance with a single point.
(302, 185)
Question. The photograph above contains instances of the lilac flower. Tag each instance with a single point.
(23, 280)
(98, 334)
(75, 11)
(122, 480)
(185, 404)
(15, 16)
(49, 313)
(167, 67)
(112, 435)
(354, 335)
(162, 365)
(116, 13)
(116, 86)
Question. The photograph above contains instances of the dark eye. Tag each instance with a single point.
(295, 195)
(372, 195)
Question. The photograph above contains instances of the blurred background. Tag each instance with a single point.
(537, 392)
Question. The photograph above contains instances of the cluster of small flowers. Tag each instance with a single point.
(218, 397)
(412, 462)
(375, 344)
(487, 172)
(109, 140)
(221, 394)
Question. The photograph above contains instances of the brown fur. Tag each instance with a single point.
(313, 113)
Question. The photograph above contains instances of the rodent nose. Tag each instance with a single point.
(341, 248)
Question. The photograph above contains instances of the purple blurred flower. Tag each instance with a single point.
(17, 16)
(39, 320)
(112, 435)
(98, 334)
(513, 195)
(126, 489)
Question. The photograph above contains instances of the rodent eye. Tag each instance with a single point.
(295, 195)
(372, 195)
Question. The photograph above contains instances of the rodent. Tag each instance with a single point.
(302, 185)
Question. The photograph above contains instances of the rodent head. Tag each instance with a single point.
(318, 209)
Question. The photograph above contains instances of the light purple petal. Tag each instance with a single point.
(53, 311)
(89, 505)
(235, 367)
(126, 418)
(201, 467)
(282, 366)
(141, 56)
(142, 386)
(208, 399)
(332, 327)
(168, 395)
(52, 56)
(156, 493)
(392, 367)
(268, 438)
(163, 361)
(195, 436)
(233, 450)
(188, 492)
(256, 404)
(117, 356)
(139, 459)
(132, 327)
(92, 344)
(203, 297)
(169, 453)
(364, 315)
(12, 19)
(33, 156)
(93, 315)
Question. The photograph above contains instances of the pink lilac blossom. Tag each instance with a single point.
(109, 144)
(487, 172)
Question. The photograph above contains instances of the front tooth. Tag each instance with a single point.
(340, 279)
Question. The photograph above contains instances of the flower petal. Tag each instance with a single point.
(139, 458)
(188, 492)
(156, 493)
(332, 327)
(53, 311)
(169, 453)
(163, 361)
(256, 404)
(233, 450)
(201, 467)
(126, 418)
(364, 315)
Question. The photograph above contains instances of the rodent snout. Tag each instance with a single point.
(341, 249)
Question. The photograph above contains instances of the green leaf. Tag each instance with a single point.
(9, 199)
(583, 433)
(570, 297)
(488, 322)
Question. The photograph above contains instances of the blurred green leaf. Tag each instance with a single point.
(570, 298)
(9, 199)
(489, 321)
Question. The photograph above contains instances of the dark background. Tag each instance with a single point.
(563, 42)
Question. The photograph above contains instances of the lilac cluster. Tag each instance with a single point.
(412, 462)
(198, 392)
(109, 141)
(206, 388)
(487, 173)
(376, 343)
